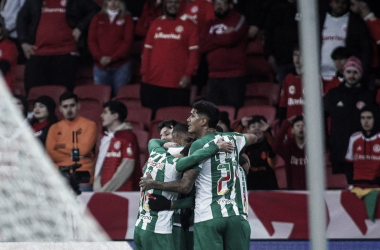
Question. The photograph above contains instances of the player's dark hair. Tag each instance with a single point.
(210, 110)
(180, 128)
(186, 149)
(170, 123)
(68, 95)
(297, 119)
(340, 53)
(256, 118)
(118, 108)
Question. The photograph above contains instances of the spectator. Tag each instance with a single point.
(8, 56)
(22, 104)
(9, 11)
(118, 164)
(291, 97)
(343, 104)
(151, 10)
(166, 129)
(170, 58)
(59, 141)
(339, 57)
(43, 117)
(281, 33)
(339, 27)
(224, 41)
(363, 153)
(364, 8)
(110, 38)
(224, 122)
(51, 55)
(261, 175)
(292, 151)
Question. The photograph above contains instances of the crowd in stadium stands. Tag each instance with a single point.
(127, 64)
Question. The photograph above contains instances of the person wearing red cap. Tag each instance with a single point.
(343, 105)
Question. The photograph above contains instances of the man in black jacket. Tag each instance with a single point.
(339, 27)
(49, 31)
(343, 105)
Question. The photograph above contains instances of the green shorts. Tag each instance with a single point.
(183, 239)
(228, 233)
(147, 240)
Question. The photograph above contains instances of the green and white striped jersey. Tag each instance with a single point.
(162, 166)
(216, 184)
(242, 193)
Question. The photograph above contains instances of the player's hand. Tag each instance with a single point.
(159, 203)
(225, 146)
(264, 126)
(28, 49)
(169, 145)
(76, 34)
(146, 182)
(105, 60)
(244, 121)
(252, 31)
(185, 81)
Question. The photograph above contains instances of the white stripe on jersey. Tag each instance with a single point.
(203, 198)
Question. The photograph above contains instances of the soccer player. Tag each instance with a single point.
(218, 222)
(154, 229)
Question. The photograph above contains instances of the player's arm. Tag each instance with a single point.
(183, 185)
(251, 139)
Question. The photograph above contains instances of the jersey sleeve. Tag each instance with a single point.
(350, 152)
(156, 144)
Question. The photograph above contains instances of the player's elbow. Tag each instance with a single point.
(185, 188)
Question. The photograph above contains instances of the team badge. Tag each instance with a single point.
(63, 3)
(129, 150)
(117, 145)
(120, 22)
(179, 29)
(360, 105)
(376, 148)
(194, 9)
(292, 90)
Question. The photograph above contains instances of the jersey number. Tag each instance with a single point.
(225, 170)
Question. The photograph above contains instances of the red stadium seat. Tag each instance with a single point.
(142, 139)
(91, 109)
(153, 130)
(99, 92)
(137, 125)
(178, 113)
(230, 110)
(262, 93)
(54, 91)
(129, 92)
(269, 112)
(139, 114)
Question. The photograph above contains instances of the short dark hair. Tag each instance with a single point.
(66, 96)
(180, 128)
(297, 119)
(24, 103)
(210, 110)
(118, 108)
(256, 118)
(169, 123)
(340, 53)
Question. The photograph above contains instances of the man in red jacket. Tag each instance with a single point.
(118, 164)
(169, 59)
(224, 41)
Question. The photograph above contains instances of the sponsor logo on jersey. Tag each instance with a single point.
(294, 101)
(194, 9)
(292, 90)
(117, 145)
(114, 154)
(340, 104)
(162, 35)
(154, 164)
(120, 22)
(367, 157)
(218, 29)
(376, 148)
(179, 29)
(145, 218)
(360, 105)
(226, 201)
(298, 161)
(53, 10)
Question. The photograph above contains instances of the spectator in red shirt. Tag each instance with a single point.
(224, 41)
(49, 32)
(8, 56)
(292, 151)
(110, 38)
(151, 10)
(170, 58)
(118, 164)
(363, 153)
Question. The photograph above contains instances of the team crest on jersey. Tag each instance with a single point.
(292, 90)
(179, 29)
(117, 145)
(63, 3)
(194, 9)
(120, 22)
(376, 148)
(360, 105)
